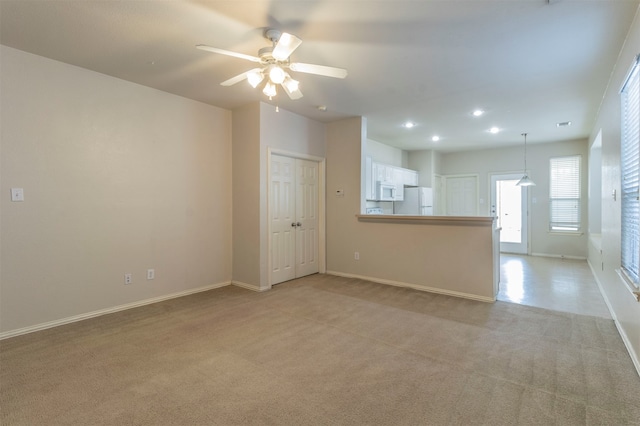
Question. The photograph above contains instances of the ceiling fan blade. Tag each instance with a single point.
(238, 78)
(285, 46)
(228, 53)
(319, 70)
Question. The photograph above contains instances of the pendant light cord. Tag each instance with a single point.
(525, 152)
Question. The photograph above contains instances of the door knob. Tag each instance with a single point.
(298, 224)
(293, 224)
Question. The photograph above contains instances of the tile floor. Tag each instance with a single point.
(564, 285)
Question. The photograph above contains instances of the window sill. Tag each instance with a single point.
(566, 233)
(632, 287)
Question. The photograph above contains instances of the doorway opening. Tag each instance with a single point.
(509, 204)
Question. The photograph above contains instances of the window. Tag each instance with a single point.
(564, 202)
(629, 165)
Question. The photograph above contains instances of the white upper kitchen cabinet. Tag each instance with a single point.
(409, 177)
(379, 172)
(398, 179)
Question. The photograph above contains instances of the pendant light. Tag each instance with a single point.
(526, 180)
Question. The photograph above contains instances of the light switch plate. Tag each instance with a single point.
(17, 194)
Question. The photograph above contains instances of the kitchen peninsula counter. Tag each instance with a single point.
(441, 220)
(453, 255)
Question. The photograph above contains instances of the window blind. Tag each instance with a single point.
(564, 203)
(629, 165)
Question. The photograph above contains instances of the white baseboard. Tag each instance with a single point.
(76, 318)
(415, 287)
(249, 286)
(625, 339)
(559, 256)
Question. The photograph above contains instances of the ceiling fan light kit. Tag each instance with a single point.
(275, 60)
(276, 74)
(269, 89)
(254, 78)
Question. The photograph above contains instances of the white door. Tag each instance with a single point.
(282, 215)
(438, 196)
(306, 218)
(293, 205)
(462, 195)
(509, 205)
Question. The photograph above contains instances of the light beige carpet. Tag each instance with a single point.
(322, 350)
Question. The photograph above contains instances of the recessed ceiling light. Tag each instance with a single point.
(563, 124)
(478, 113)
(322, 108)
(408, 125)
(435, 138)
(494, 130)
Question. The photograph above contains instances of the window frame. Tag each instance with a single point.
(629, 180)
(556, 225)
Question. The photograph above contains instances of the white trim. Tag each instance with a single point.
(88, 315)
(249, 286)
(635, 63)
(292, 154)
(628, 284)
(559, 256)
(415, 287)
(625, 339)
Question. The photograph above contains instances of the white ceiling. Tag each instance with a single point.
(529, 63)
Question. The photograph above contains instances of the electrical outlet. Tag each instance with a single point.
(151, 274)
(128, 278)
(356, 255)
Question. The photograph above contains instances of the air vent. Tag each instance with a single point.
(563, 124)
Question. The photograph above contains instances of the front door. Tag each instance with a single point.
(509, 205)
(293, 211)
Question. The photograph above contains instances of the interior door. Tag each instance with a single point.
(462, 195)
(293, 205)
(306, 250)
(282, 218)
(510, 206)
(439, 198)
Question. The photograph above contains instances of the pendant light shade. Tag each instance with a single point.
(525, 180)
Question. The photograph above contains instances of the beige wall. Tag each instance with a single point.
(510, 160)
(414, 255)
(246, 196)
(257, 130)
(424, 162)
(293, 135)
(118, 178)
(385, 154)
(625, 308)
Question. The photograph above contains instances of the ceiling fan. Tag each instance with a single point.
(274, 62)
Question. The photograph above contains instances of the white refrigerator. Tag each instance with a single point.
(417, 202)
